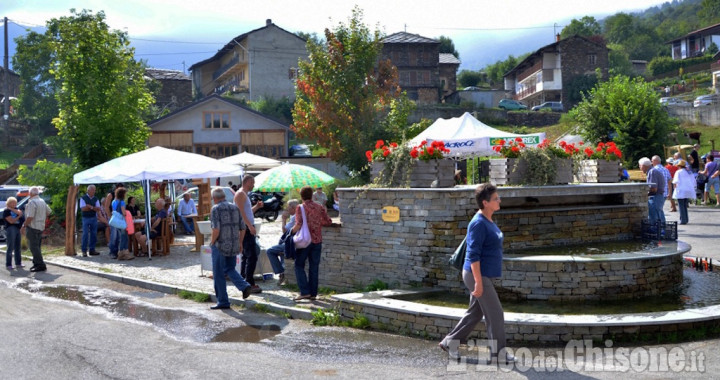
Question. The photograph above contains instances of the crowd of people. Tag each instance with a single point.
(233, 233)
(681, 182)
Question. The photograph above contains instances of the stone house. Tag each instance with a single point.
(423, 72)
(13, 83)
(259, 63)
(448, 65)
(220, 127)
(545, 75)
(695, 43)
(175, 88)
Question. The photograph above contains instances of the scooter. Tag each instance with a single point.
(270, 209)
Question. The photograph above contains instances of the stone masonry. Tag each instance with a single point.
(414, 251)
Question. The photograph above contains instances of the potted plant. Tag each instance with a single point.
(599, 164)
(545, 164)
(421, 166)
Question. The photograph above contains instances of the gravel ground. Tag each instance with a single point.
(181, 268)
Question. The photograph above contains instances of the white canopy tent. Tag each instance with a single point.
(468, 136)
(155, 164)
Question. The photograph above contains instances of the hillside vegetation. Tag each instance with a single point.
(634, 36)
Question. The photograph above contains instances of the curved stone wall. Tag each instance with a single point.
(601, 277)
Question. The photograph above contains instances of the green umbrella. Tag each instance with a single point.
(287, 177)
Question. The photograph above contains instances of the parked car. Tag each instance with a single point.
(674, 102)
(300, 150)
(7, 191)
(552, 106)
(193, 191)
(511, 104)
(705, 100)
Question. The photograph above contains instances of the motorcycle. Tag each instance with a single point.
(270, 209)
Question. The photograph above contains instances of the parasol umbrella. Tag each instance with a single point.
(287, 177)
(251, 161)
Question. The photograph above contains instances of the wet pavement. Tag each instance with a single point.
(136, 291)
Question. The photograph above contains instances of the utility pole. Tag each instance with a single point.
(6, 91)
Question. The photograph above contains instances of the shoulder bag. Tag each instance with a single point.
(117, 219)
(302, 238)
(457, 260)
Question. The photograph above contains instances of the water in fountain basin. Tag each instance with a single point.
(698, 289)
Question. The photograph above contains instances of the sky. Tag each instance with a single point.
(174, 34)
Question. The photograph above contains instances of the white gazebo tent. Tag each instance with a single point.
(468, 136)
(155, 164)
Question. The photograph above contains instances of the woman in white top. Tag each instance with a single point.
(684, 183)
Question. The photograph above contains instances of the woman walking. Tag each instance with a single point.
(317, 217)
(684, 184)
(483, 262)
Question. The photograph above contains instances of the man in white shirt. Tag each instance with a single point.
(36, 212)
(186, 207)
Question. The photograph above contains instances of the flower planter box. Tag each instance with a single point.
(513, 171)
(597, 171)
(423, 174)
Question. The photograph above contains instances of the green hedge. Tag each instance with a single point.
(661, 65)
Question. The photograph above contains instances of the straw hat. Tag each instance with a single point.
(680, 163)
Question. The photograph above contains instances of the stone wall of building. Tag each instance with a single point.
(579, 57)
(414, 251)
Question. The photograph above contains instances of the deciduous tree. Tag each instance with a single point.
(586, 27)
(447, 46)
(32, 60)
(344, 91)
(99, 87)
(629, 110)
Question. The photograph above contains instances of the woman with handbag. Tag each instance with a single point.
(483, 262)
(310, 217)
(118, 233)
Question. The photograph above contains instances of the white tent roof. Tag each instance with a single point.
(467, 135)
(251, 161)
(157, 164)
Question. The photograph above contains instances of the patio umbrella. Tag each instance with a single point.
(287, 177)
(251, 161)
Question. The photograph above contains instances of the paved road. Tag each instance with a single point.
(73, 325)
(103, 329)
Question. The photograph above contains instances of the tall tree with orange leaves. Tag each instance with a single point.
(346, 98)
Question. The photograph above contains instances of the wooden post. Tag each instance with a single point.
(70, 221)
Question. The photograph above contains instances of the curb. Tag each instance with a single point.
(294, 312)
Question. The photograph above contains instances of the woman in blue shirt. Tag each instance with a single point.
(483, 262)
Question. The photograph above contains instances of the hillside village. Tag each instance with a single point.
(261, 65)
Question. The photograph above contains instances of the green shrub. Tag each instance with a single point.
(195, 296)
(376, 285)
(325, 317)
(661, 65)
(359, 322)
(56, 178)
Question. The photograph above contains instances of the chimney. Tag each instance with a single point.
(557, 37)
(268, 22)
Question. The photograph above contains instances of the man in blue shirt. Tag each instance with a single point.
(186, 207)
(657, 184)
(713, 181)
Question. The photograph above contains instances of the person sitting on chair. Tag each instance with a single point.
(155, 227)
(276, 253)
(186, 207)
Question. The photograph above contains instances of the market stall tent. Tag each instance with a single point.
(468, 136)
(153, 164)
